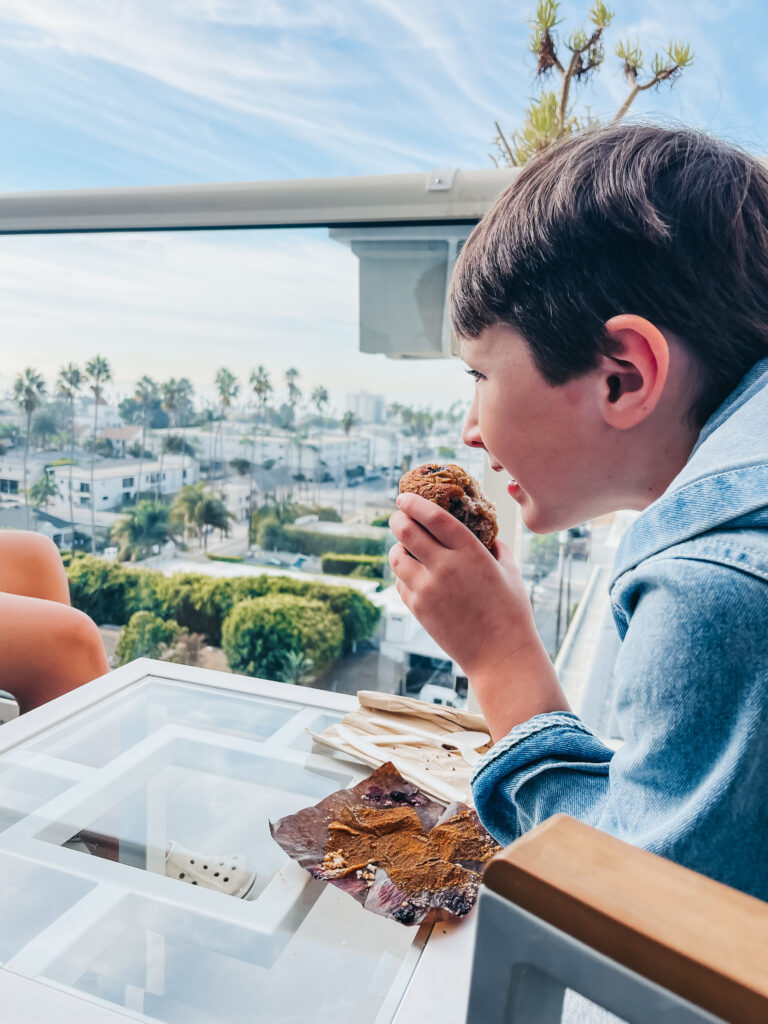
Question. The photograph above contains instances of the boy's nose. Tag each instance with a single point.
(470, 432)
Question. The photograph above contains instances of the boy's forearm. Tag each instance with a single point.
(513, 690)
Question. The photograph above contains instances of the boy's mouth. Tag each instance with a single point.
(513, 487)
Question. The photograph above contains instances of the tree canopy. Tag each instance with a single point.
(574, 59)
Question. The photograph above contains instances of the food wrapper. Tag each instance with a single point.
(439, 770)
(439, 881)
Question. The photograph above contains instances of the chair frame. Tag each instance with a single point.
(567, 906)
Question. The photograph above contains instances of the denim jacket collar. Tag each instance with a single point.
(723, 484)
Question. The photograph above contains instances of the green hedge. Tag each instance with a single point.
(226, 558)
(274, 536)
(145, 636)
(260, 632)
(365, 566)
(111, 593)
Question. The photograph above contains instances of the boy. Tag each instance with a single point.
(612, 308)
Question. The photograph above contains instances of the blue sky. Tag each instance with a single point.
(138, 92)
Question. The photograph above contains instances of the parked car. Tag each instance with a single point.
(441, 695)
(579, 543)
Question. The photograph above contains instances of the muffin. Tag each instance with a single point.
(453, 489)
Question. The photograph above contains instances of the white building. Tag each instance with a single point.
(406, 648)
(235, 442)
(12, 471)
(367, 408)
(237, 497)
(386, 447)
(108, 416)
(60, 531)
(338, 451)
(122, 438)
(116, 481)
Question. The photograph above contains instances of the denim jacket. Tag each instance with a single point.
(690, 598)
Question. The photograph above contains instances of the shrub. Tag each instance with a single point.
(365, 566)
(369, 572)
(110, 593)
(146, 636)
(358, 615)
(98, 588)
(199, 603)
(225, 558)
(326, 514)
(186, 649)
(311, 542)
(261, 632)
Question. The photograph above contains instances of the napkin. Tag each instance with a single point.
(442, 771)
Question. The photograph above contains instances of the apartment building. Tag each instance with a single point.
(116, 481)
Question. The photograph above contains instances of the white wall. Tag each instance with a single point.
(12, 469)
(116, 483)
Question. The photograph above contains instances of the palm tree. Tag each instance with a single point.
(297, 667)
(184, 391)
(68, 383)
(347, 422)
(320, 400)
(98, 373)
(28, 393)
(197, 507)
(145, 395)
(294, 397)
(261, 386)
(44, 491)
(228, 388)
(146, 524)
(214, 513)
(184, 508)
(171, 402)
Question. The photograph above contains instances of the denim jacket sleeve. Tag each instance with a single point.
(689, 782)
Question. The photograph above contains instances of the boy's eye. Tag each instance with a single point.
(476, 375)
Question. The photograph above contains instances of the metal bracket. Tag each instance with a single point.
(441, 180)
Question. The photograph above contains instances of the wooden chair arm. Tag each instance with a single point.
(700, 939)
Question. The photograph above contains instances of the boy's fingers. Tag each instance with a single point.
(404, 592)
(403, 565)
(412, 535)
(447, 530)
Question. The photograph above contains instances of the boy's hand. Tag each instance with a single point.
(476, 608)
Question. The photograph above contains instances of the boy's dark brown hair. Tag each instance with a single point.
(668, 224)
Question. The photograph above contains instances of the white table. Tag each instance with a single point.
(155, 753)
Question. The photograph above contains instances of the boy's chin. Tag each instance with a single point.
(540, 520)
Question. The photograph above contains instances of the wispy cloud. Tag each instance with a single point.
(148, 92)
(186, 303)
(240, 88)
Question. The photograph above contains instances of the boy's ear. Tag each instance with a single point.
(633, 378)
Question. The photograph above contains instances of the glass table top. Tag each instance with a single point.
(137, 868)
